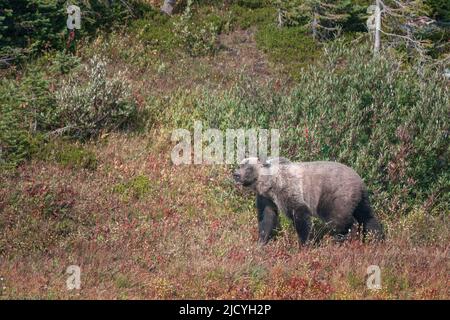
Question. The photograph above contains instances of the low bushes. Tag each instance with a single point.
(88, 101)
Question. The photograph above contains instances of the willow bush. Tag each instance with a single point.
(387, 120)
(94, 101)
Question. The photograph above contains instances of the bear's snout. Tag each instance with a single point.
(237, 176)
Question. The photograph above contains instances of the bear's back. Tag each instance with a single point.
(318, 179)
(328, 169)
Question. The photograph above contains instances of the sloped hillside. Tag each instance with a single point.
(104, 194)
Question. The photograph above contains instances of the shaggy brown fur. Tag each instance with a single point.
(328, 190)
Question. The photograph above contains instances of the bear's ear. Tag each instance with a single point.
(278, 160)
(262, 159)
(266, 164)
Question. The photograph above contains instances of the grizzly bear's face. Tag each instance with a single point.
(248, 172)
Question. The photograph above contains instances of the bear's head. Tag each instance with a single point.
(248, 172)
(259, 175)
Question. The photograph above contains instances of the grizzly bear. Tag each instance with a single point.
(330, 191)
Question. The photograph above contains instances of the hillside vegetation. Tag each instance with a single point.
(86, 176)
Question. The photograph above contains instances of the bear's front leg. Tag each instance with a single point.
(268, 220)
(302, 223)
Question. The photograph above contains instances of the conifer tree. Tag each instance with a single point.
(323, 18)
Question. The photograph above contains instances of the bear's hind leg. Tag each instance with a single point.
(365, 217)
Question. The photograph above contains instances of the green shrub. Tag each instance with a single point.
(251, 4)
(27, 108)
(76, 157)
(63, 63)
(67, 154)
(98, 102)
(137, 187)
(386, 120)
(156, 33)
(291, 47)
(15, 139)
(196, 38)
(38, 101)
(245, 18)
(195, 31)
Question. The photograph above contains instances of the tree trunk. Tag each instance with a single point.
(314, 26)
(280, 18)
(377, 43)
